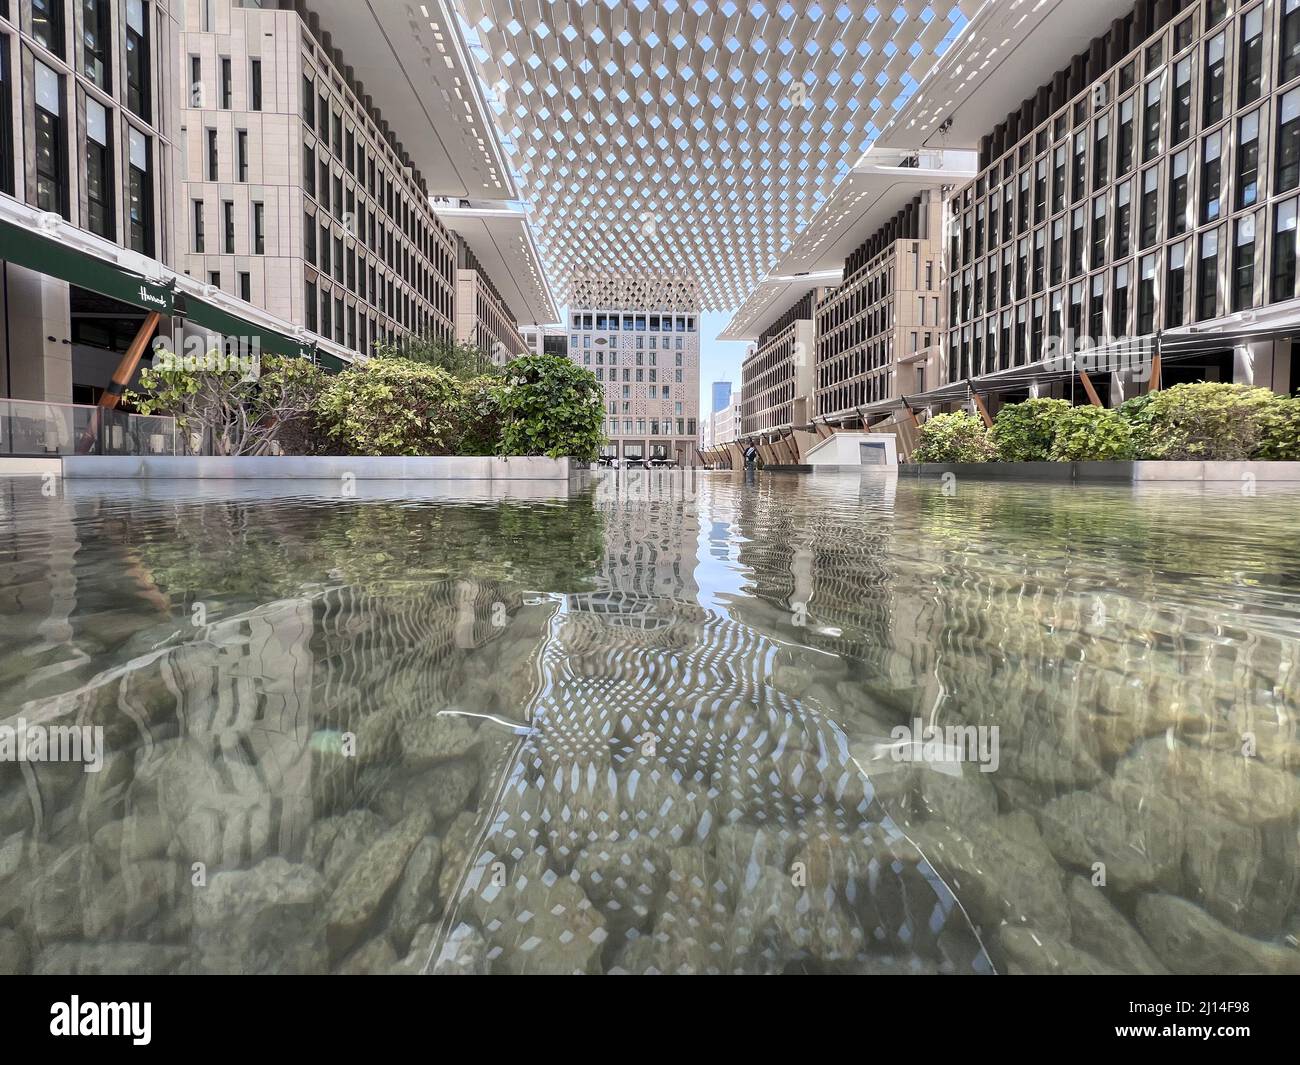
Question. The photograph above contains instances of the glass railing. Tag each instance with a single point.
(33, 429)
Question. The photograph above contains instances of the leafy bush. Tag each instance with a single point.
(1023, 432)
(1209, 421)
(956, 437)
(1280, 430)
(1091, 434)
(392, 406)
(478, 417)
(551, 406)
(463, 361)
(243, 406)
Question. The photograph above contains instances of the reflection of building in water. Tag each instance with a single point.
(650, 536)
(672, 811)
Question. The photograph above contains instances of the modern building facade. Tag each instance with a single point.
(298, 196)
(721, 396)
(640, 336)
(483, 320)
(89, 154)
(1149, 190)
(776, 378)
(879, 332)
(545, 339)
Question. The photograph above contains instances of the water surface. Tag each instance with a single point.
(651, 724)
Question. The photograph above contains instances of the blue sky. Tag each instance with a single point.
(719, 359)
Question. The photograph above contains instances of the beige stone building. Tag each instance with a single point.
(776, 378)
(483, 320)
(879, 332)
(298, 196)
(89, 152)
(640, 336)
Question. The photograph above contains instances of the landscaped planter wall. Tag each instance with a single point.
(362, 468)
(1127, 472)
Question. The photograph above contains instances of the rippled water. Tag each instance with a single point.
(651, 724)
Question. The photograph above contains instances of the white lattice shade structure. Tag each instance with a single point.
(667, 136)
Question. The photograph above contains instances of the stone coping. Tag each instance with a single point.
(1125, 472)
(314, 467)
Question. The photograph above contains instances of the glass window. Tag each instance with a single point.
(228, 226)
(140, 194)
(1215, 50)
(1248, 160)
(1289, 46)
(47, 24)
(227, 88)
(1123, 218)
(1288, 141)
(1207, 276)
(255, 85)
(1151, 120)
(137, 58)
(1282, 282)
(1079, 172)
(97, 37)
(1181, 128)
(99, 171)
(1178, 194)
(51, 161)
(1148, 211)
(1251, 57)
(6, 125)
(1119, 302)
(1211, 191)
(1243, 264)
(1100, 151)
(1146, 316)
(1176, 287)
(1124, 150)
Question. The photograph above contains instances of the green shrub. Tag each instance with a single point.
(1280, 430)
(550, 406)
(1023, 432)
(1209, 421)
(956, 437)
(241, 408)
(478, 417)
(392, 406)
(1091, 434)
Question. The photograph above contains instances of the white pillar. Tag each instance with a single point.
(38, 327)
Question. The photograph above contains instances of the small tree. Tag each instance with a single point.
(955, 437)
(242, 411)
(551, 406)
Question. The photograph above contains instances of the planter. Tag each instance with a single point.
(312, 467)
(1121, 472)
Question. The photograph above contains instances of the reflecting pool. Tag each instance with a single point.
(657, 722)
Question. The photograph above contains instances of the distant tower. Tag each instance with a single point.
(721, 395)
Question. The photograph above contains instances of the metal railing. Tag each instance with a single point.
(32, 429)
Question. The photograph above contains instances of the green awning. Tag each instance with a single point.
(29, 249)
(272, 342)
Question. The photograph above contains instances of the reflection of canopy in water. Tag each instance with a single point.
(671, 810)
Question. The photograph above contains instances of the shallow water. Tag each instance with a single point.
(651, 724)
